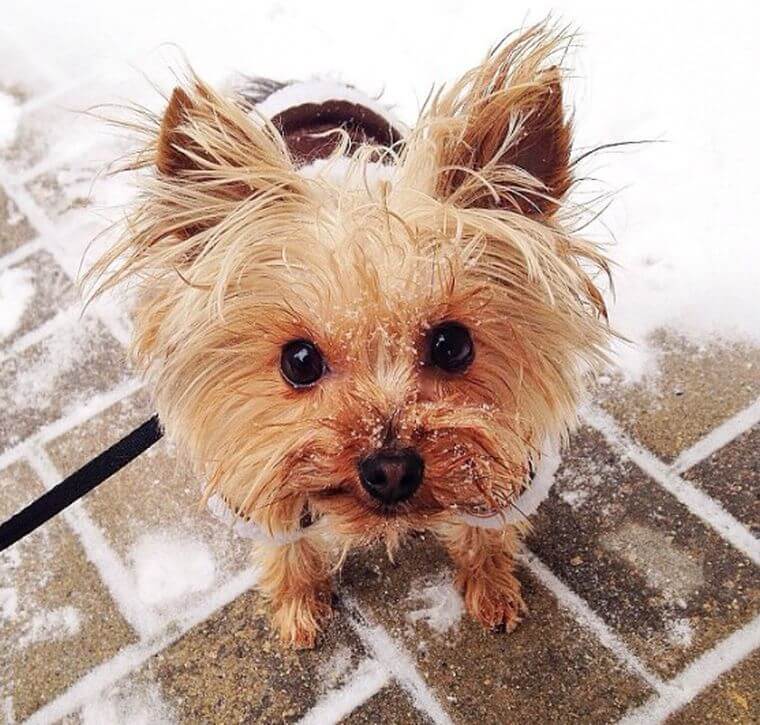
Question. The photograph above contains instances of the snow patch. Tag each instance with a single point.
(16, 291)
(53, 624)
(137, 706)
(574, 499)
(675, 572)
(680, 633)
(8, 709)
(170, 565)
(12, 214)
(35, 384)
(8, 603)
(9, 117)
(444, 605)
(332, 671)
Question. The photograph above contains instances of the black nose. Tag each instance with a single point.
(392, 476)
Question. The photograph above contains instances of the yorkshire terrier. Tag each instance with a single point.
(356, 330)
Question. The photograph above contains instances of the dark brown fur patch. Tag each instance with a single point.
(303, 127)
(543, 149)
(170, 158)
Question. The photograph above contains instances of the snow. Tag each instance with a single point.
(8, 603)
(58, 356)
(133, 705)
(169, 565)
(443, 608)
(680, 632)
(332, 672)
(9, 116)
(16, 291)
(574, 499)
(51, 624)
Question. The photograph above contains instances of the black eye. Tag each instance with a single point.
(301, 363)
(451, 347)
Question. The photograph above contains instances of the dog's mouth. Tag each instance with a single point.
(374, 497)
(352, 501)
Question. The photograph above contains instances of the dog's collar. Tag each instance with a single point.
(248, 529)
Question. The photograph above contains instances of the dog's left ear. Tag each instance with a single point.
(503, 138)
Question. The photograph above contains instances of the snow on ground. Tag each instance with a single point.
(52, 624)
(131, 704)
(443, 604)
(9, 113)
(36, 383)
(16, 291)
(683, 215)
(169, 565)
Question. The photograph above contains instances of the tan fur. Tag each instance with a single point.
(295, 578)
(484, 561)
(236, 254)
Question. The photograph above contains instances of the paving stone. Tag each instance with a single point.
(549, 664)
(15, 228)
(55, 376)
(665, 581)
(734, 698)
(390, 705)
(45, 289)
(232, 668)
(732, 476)
(57, 620)
(150, 513)
(694, 390)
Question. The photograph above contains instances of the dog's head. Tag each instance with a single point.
(384, 349)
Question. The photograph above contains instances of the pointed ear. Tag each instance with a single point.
(171, 156)
(211, 155)
(508, 142)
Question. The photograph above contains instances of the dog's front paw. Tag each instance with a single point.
(495, 603)
(299, 619)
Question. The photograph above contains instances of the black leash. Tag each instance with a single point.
(73, 487)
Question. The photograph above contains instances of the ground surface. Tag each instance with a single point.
(641, 576)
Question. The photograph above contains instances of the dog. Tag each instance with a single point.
(356, 330)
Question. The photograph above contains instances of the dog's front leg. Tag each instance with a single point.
(484, 561)
(295, 578)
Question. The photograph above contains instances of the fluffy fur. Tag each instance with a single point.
(236, 254)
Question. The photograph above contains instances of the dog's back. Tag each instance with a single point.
(307, 113)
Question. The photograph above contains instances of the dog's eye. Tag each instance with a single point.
(301, 363)
(450, 347)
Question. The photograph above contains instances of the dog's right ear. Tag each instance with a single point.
(210, 155)
(174, 146)
(214, 165)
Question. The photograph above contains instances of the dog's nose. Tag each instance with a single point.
(392, 476)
